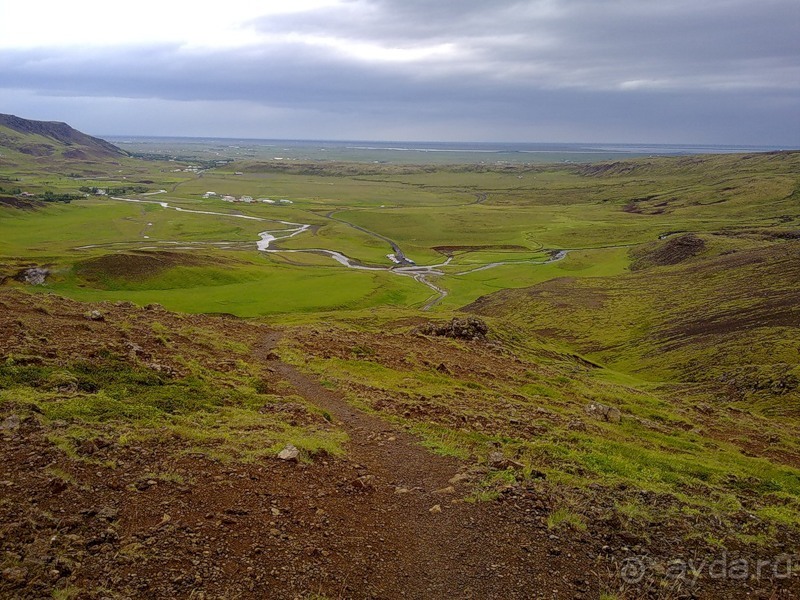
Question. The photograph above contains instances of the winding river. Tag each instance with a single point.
(404, 268)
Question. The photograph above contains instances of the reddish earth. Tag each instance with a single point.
(387, 521)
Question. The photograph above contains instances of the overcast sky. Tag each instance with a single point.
(660, 71)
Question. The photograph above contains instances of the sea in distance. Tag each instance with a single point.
(405, 152)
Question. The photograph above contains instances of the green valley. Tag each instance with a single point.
(605, 355)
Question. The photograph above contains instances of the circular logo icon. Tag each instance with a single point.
(633, 569)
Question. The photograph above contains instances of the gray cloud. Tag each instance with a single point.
(724, 71)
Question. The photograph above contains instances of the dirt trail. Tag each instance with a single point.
(430, 542)
(399, 460)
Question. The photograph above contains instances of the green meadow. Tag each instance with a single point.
(472, 216)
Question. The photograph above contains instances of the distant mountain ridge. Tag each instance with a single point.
(52, 138)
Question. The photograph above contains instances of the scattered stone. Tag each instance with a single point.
(446, 490)
(87, 448)
(133, 349)
(436, 508)
(160, 368)
(10, 423)
(56, 486)
(468, 328)
(459, 477)
(33, 276)
(365, 482)
(237, 511)
(497, 461)
(96, 315)
(276, 512)
(108, 513)
(62, 382)
(289, 453)
(15, 575)
(576, 425)
(601, 412)
(401, 490)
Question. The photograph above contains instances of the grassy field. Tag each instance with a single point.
(476, 218)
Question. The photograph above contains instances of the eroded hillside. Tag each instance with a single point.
(142, 448)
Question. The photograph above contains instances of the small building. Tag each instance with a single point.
(209, 194)
(229, 199)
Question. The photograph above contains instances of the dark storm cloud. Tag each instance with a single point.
(718, 70)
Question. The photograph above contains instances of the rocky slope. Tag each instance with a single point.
(141, 459)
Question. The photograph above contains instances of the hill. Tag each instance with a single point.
(141, 455)
(51, 139)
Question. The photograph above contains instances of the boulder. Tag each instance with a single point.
(467, 328)
(33, 276)
(496, 460)
(289, 453)
(11, 422)
(363, 483)
(601, 412)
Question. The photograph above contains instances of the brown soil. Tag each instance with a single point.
(75, 154)
(37, 149)
(23, 203)
(387, 521)
(135, 265)
(673, 251)
(561, 292)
